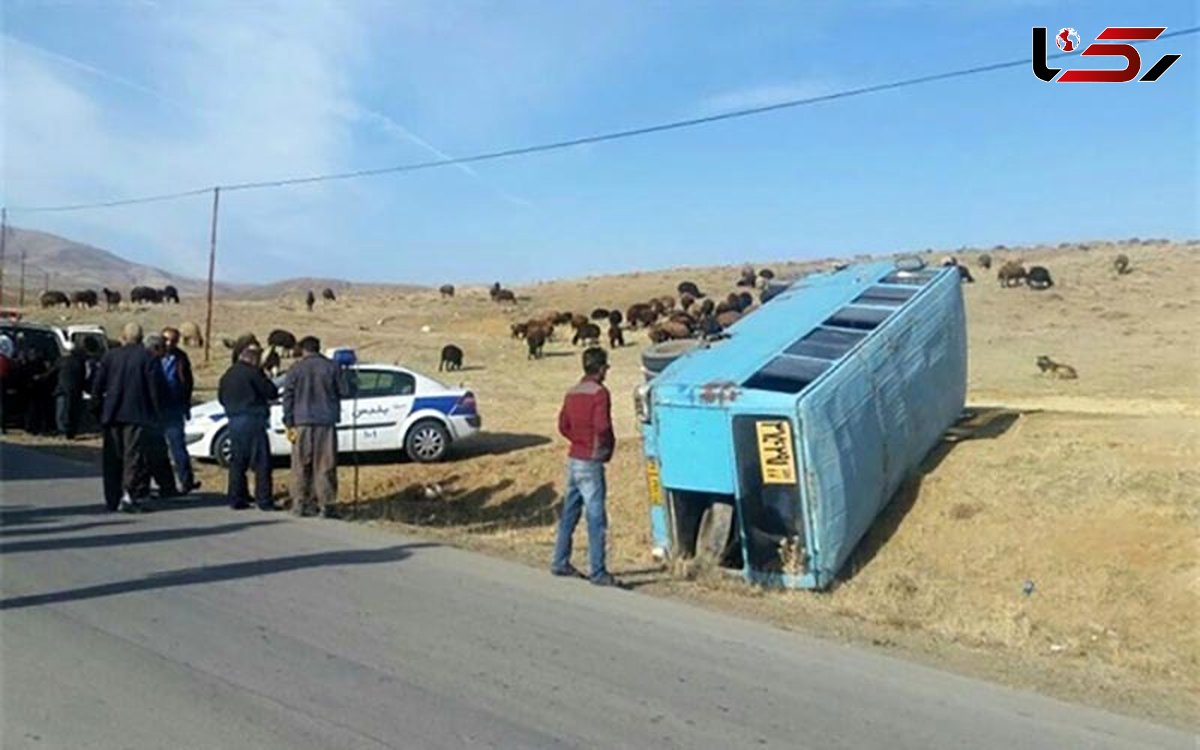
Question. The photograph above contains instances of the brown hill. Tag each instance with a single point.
(59, 263)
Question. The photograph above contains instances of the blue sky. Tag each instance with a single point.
(128, 97)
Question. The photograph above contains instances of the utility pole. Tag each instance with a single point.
(212, 266)
(3, 241)
(21, 297)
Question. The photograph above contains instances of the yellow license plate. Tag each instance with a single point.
(654, 483)
(775, 453)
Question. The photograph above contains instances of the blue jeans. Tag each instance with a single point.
(173, 431)
(585, 490)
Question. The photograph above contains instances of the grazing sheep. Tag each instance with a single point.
(518, 330)
(766, 274)
(328, 295)
(189, 332)
(310, 299)
(51, 298)
(141, 294)
(446, 290)
(964, 275)
(281, 339)
(494, 290)
(686, 301)
(112, 298)
(726, 319)
(1039, 278)
(1121, 264)
(600, 313)
(535, 340)
(749, 277)
(615, 317)
(641, 314)
(615, 336)
(745, 302)
(1056, 369)
(1012, 273)
(271, 363)
(505, 295)
(237, 345)
(85, 298)
(667, 302)
(587, 334)
(667, 331)
(563, 318)
(707, 308)
(985, 261)
(688, 287)
(452, 358)
(170, 294)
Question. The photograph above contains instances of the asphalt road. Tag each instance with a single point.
(199, 627)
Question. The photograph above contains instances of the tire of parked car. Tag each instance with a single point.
(427, 441)
(222, 448)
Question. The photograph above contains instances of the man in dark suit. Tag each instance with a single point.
(70, 374)
(127, 394)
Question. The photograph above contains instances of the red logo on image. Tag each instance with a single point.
(1068, 40)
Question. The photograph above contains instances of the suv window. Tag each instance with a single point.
(378, 383)
(34, 338)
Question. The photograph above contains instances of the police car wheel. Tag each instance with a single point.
(427, 442)
(223, 448)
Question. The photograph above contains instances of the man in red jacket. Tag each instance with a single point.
(586, 420)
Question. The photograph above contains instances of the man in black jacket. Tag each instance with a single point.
(127, 393)
(70, 374)
(247, 393)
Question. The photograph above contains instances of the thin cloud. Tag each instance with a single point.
(396, 130)
(106, 75)
(763, 96)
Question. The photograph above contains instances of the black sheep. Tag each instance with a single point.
(1039, 278)
(452, 358)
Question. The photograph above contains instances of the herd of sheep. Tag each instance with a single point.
(690, 313)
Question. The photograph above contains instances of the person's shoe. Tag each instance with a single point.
(128, 505)
(607, 579)
(269, 507)
(567, 571)
(330, 512)
(242, 505)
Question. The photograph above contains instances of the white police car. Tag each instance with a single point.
(395, 409)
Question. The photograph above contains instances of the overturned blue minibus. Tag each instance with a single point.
(773, 451)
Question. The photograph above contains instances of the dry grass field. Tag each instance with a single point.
(1089, 488)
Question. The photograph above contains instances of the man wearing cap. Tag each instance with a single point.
(127, 395)
(586, 421)
(312, 406)
(246, 394)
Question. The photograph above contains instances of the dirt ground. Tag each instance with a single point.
(1089, 489)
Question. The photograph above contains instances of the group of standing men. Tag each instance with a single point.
(142, 395)
(312, 393)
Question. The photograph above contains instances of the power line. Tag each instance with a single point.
(581, 141)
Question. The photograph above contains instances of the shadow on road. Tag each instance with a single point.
(120, 540)
(19, 463)
(216, 573)
(28, 515)
(66, 529)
